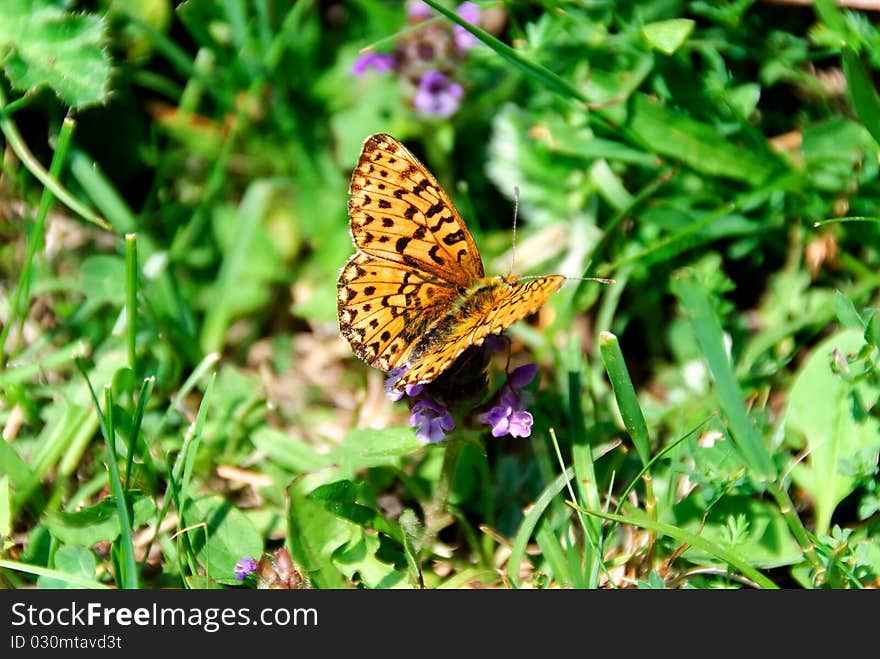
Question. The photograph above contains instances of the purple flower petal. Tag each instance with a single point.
(508, 417)
(468, 11)
(413, 389)
(244, 567)
(522, 375)
(393, 376)
(380, 62)
(418, 11)
(437, 95)
(520, 424)
(464, 39)
(431, 420)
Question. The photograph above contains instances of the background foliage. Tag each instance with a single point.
(173, 211)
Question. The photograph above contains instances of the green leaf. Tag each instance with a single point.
(752, 529)
(104, 279)
(314, 533)
(287, 451)
(668, 36)
(846, 312)
(358, 561)
(99, 522)
(5, 510)
(698, 145)
(340, 498)
(42, 45)
(75, 561)
(365, 448)
(828, 414)
(231, 536)
(862, 92)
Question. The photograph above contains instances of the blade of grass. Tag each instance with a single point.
(625, 394)
(250, 212)
(17, 143)
(530, 521)
(137, 419)
(40, 571)
(862, 92)
(555, 556)
(22, 293)
(592, 575)
(582, 460)
(129, 572)
(101, 191)
(179, 480)
(673, 134)
(131, 284)
(51, 362)
(686, 537)
(544, 75)
(630, 411)
(698, 307)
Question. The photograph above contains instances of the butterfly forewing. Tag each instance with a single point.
(400, 213)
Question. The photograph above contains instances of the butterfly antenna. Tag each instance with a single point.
(515, 214)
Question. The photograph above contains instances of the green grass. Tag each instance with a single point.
(174, 395)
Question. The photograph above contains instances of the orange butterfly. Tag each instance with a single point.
(414, 294)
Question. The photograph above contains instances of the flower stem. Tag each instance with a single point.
(437, 517)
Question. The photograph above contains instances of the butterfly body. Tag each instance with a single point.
(414, 294)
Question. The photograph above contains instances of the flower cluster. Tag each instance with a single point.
(274, 571)
(426, 59)
(245, 567)
(432, 418)
(509, 416)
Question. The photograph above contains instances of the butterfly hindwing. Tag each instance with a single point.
(491, 307)
(385, 307)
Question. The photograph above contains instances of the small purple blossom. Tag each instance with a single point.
(244, 567)
(509, 416)
(438, 95)
(464, 39)
(522, 375)
(380, 62)
(409, 390)
(433, 421)
(418, 11)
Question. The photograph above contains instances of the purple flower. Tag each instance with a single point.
(433, 421)
(244, 567)
(509, 416)
(409, 390)
(379, 61)
(522, 375)
(418, 11)
(437, 95)
(470, 13)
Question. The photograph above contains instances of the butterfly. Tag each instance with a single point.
(414, 296)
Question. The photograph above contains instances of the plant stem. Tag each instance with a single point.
(437, 516)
